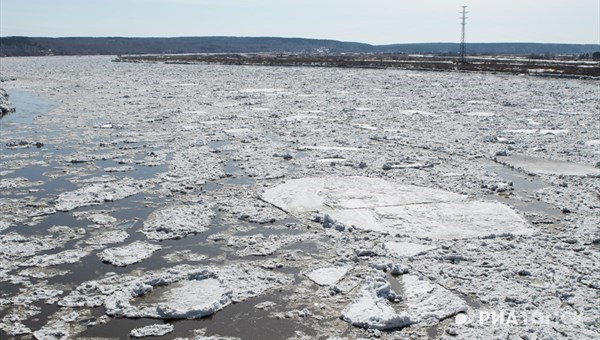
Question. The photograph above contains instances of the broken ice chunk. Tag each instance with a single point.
(178, 221)
(129, 254)
(67, 256)
(97, 193)
(151, 330)
(372, 309)
(327, 276)
(193, 299)
(426, 300)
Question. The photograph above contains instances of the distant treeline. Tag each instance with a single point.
(28, 46)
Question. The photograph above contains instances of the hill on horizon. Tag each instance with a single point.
(41, 46)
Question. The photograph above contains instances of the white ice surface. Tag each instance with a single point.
(365, 126)
(300, 117)
(102, 219)
(151, 330)
(426, 300)
(548, 166)
(124, 168)
(177, 221)
(176, 292)
(108, 237)
(406, 248)
(324, 193)
(327, 276)
(421, 301)
(416, 112)
(327, 148)
(525, 131)
(57, 331)
(480, 114)
(371, 308)
(331, 160)
(193, 299)
(593, 142)
(388, 207)
(97, 193)
(67, 256)
(129, 254)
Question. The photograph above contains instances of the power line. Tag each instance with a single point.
(463, 44)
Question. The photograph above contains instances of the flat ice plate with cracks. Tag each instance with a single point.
(388, 207)
(548, 166)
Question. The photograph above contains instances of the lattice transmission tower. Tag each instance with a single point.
(463, 44)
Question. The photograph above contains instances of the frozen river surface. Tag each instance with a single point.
(199, 201)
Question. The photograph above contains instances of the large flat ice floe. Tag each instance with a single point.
(326, 193)
(548, 166)
(388, 207)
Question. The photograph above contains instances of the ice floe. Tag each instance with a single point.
(480, 114)
(102, 219)
(202, 297)
(177, 292)
(98, 193)
(251, 209)
(372, 307)
(132, 253)
(177, 221)
(14, 245)
(323, 193)
(378, 306)
(66, 256)
(427, 301)
(327, 148)
(192, 167)
(387, 207)
(407, 248)
(259, 245)
(593, 142)
(151, 330)
(438, 220)
(54, 332)
(123, 168)
(327, 276)
(107, 237)
(548, 166)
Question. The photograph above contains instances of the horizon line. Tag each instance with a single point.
(279, 37)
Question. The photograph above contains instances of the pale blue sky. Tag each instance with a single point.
(370, 21)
